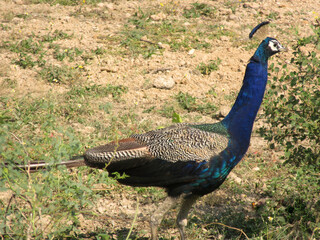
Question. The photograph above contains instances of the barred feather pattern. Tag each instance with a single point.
(179, 142)
(119, 150)
(183, 142)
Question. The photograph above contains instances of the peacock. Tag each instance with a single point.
(188, 160)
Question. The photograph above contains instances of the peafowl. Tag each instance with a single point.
(188, 160)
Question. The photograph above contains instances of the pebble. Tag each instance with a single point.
(224, 111)
(256, 169)
(232, 17)
(251, 5)
(235, 178)
(191, 51)
(164, 82)
(158, 17)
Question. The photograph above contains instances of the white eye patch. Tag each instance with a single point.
(274, 45)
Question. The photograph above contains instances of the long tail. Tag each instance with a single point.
(32, 167)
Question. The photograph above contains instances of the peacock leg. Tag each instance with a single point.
(186, 205)
(157, 216)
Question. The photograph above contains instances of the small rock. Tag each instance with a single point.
(191, 51)
(158, 17)
(256, 169)
(224, 111)
(164, 45)
(235, 177)
(66, 18)
(182, 63)
(254, 12)
(232, 17)
(251, 5)
(100, 5)
(164, 82)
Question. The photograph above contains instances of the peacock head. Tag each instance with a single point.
(267, 48)
(273, 46)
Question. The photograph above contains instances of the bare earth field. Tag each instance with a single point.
(104, 70)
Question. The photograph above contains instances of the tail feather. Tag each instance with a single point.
(115, 153)
(35, 166)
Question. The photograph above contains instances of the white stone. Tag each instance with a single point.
(164, 82)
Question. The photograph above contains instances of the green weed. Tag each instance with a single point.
(141, 36)
(189, 103)
(70, 53)
(54, 36)
(273, 15)
(56, 74)
(25, 61)
(198, 10)
(292, 106)
(206, 69)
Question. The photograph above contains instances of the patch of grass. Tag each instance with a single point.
(106, 107)
(167, 110)
(70, 53)
(273, 15)
(206, 69)
(99, 51)
(4, 27)
(54, 36)
(25, 61)
(23, 15)
(142, 36)
(233, 5)
(216, 31)
(116, 91)
(231, 97)
(56, 74)
(191, 104)
(198, 10)
(8, 16)
(29, 45)
(9, 82)
(32, 52)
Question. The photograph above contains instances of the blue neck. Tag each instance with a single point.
(240, 119)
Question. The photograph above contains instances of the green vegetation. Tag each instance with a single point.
(189, 103)
(292, 123)
(56, 74)
(142, 35)
(293, 103)
(198, 9)
(206, 69)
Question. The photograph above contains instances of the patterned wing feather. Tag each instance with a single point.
(117, 151)
(183, 142)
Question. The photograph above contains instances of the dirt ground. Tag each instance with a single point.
(89, 33)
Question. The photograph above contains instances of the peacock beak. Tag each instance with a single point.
(282, 48)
